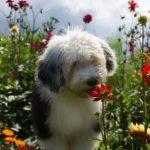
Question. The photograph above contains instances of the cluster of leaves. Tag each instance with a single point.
(18, 59)
(131, 88)
(125, 122)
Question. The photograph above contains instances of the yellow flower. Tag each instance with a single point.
(148, 132)
(20, 143)
(137, 130)
(8, 132)
(133, 128)
(141, 128)
(148, 135)
(14, 30)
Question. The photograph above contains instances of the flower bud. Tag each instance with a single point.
(142, 20)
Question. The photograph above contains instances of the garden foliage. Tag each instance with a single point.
(125, 117)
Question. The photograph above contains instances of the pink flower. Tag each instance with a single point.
(87, 18)
(132, 5)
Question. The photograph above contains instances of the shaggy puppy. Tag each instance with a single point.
(72, 65)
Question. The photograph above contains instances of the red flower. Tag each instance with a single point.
(10, 2)
(34, 44)
(23, 3)
(146, 70)
(39, 46)
(87, 18)
(131, 44)
(132, 5)
(43, 44)
(48, 36)
(146, 74)
(12, 5)
(101, 92)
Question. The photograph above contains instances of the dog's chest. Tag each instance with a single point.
(71, 117)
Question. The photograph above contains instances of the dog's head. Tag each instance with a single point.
(77, 61)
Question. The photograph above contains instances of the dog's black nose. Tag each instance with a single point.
(92, 81)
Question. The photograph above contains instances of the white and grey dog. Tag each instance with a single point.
(63, 112)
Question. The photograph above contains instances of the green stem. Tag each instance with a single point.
(133, 145)
(103, 124)
(143, 92)
(19, 55)
(122, 104)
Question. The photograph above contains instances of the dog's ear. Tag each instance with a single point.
(50, 71)
(110, 59)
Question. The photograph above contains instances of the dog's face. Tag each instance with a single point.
(84, 76)
(77, 61)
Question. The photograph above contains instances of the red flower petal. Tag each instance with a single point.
(110, 97)
(109, 88)
(94, 94)
(101, 91)
(145, 70)
(100, 87)
(146, 67)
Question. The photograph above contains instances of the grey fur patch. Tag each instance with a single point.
(109, 60)
(50, 71)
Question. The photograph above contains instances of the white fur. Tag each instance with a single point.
(71, 118)
(72, 110)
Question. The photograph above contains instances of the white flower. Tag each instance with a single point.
(20, 67)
